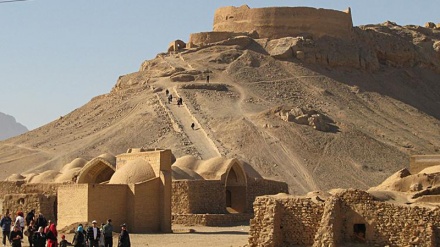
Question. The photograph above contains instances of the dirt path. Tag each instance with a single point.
(198, 137)
(185, 236)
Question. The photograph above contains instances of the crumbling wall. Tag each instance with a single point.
(278, 22)
(284, 221)
(45, 204)
(260, 187)
(211, 219)
(308, 223)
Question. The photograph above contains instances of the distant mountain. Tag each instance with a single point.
(9, 127)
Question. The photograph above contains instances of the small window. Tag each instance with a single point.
(359, 231)
(20, 201)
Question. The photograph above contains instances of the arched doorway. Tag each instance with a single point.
(235, 189)
(96, 171)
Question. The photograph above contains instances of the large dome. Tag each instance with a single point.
(134, 171)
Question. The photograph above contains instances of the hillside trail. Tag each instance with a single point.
(184, 118)
(284, 157)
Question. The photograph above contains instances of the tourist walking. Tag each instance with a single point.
(16, 236)
(30, 216)
(52, 235)
(93, 235)
(170, 98)
(39, 238)
(19, 220)
(124, 237)
(29, 232)
(192, 126)
(167, 92)
(79, 240)
(5, 224)
(40, 221)
(108, 234)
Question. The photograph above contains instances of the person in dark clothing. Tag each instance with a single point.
(16, 236)
(207, 79)
(5, 223)
(30, 216)
(39, 238)
(79, 240)
(124, 237)
(108, 234)
(167, 92)
(170, 98)
(93, 235)
(41, 221)
(31, 230)
(192, 126)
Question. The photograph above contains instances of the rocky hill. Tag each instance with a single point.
(316, 113)
(9, 127)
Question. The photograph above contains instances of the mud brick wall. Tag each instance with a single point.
(198, 197)
(260, 187)
(45, 204)
(284, 221)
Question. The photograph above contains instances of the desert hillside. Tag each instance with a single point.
(9, 127)
(375, 99)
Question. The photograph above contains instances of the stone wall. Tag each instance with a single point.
(284, 221)
(287, 220)
(7, 187)
(278, 22)
(45, 204)
(198, 197)
(260, 187)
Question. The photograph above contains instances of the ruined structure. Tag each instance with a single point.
(402, 211)
(142, 188)
(275, 23)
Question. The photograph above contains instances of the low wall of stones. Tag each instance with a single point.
(45, 204)
(7, 187)
(198, 197)
(297, 221)
(284, 221)
(211, 219)
(388, 224)
(260, 187)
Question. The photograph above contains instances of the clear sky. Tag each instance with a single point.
(55, 55)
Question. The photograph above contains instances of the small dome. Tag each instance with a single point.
(45, 177)
(134, 171)
(78, 162)
(15, 177)
(110, 158)
(68, 176)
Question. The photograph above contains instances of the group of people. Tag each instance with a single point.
(170, 98)
(43, 233)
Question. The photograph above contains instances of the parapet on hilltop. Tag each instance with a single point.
(275, 22)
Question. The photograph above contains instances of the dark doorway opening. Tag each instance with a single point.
(228, 198)
(359, 231)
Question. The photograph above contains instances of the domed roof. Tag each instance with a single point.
(45, 177)
(78, 162)
(134, 171)
(188, 167)
(109, 157)
(68, 175)
(15, 177)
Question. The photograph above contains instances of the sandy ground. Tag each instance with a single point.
(188, 236)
